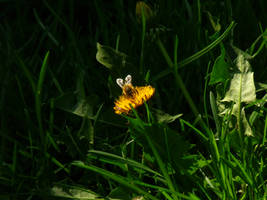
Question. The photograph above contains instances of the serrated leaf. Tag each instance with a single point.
(111, 58)
(192, 163)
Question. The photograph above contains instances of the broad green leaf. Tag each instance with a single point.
(120, 193)
(86, 107)
(171, 146)
(163, 138)
(81, 107)
(111, 58)
(163, 117)
(220, 72)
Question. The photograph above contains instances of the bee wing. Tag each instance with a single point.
(120, 82)
(128, 79)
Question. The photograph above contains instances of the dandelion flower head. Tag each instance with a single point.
(131, 95)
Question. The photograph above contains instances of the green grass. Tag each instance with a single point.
(201, 136)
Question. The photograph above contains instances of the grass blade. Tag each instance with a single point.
(114, 177)
(197, 55)
(38, 94)
(116, 159)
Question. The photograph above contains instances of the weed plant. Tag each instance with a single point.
(201, 136)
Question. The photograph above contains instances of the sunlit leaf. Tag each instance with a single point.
(242, 87)
(73, 193)
(242, 90)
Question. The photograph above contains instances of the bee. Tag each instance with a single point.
(127, 87)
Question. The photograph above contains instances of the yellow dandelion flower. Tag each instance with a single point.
(131, 95)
